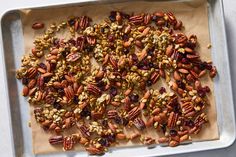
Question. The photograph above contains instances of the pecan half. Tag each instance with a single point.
(68, 143)
(84, 131)
(56, 140)
(31, 72)
(137, 19)
(112, 114)
(94, 89)
(173, 118)
(134, 113)
(188, 109)
(91, 40)
(72, 57)
(94, 151)
(139, 123)
(84, 22)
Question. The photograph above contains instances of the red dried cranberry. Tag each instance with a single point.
(25, 81)
(43, 66)
(190, 123)
(207, 89)
(163, 128)
(126, 51)
(111, 37)
(149, 83)
(125, 37)
(201, 92)
(151, 65)
(111, 138)
(102, 30)
(162, 90)
(173, 133)
(113, 91)
(76, 99)
(184, 60)
(104, 142)
(180, 84)
(125, 121)
(118, 120)
(154, 18)
(85, 112)
(134, 97)
(57, 106)
(71, 22)
(134, 58)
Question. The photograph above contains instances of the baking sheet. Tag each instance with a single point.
(194, 16)
(20, 140)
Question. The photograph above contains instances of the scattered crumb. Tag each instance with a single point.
(209, 46)
(29, 124)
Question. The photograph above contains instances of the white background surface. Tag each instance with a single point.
(230, 20)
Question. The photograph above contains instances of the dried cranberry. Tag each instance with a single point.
(176, 108)
(104, 142)
(25, 81)
(111, 37)
(89, 48)
(201, 92)
(118, 120)
(173, 133)
(72, 41)
(100, 84)
(206, 89)
(53, 66)
(85, 112)
(180, 84)
(57, 106)
(149, 83)
(154, 18)
(125, 37)
(134, 58)
(151, 65)
(189, 123)
(102, 30)
(124, 15)
(111, 138)
(104, 123)
(43, 66)
(126, 51)
(56, 42)
(184, 60)
(134, 97)
(71, 22)
(202, 65)
(162, 90)
(163, 128)
(61, 92)
(76, 99)
(112, 18)
(46, 79)
(125, 121)
(209, 67)
(150, 53)
(113, 91)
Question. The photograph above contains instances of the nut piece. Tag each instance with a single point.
(139, 123)
(38, 25)
(68, 143)
(56, 140)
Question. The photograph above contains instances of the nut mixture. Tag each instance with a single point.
(133, 52)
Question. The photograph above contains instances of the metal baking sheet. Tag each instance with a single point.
(21, 142)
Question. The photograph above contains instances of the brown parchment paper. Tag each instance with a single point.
(194, 16)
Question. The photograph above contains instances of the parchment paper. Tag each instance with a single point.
(194, 16)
